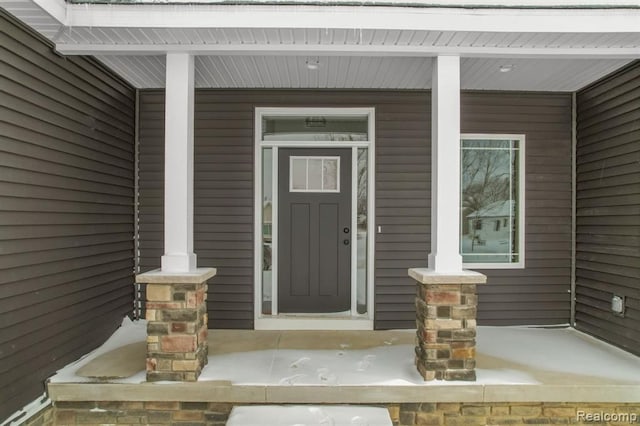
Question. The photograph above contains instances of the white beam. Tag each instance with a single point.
(506, 3)
(178, 165)
(57, 9)
(445, 166)
(550, 20)
(349, 50)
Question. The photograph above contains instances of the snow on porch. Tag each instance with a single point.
(506, 356)
(348, 415)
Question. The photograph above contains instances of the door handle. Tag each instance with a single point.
(345, 242)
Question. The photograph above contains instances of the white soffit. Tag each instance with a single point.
(33, 15)
(255, 41)
(559, 45)
(143, 72)
(367, 72)
(415, 28)
(562, 75)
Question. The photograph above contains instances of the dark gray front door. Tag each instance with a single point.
(314, 230)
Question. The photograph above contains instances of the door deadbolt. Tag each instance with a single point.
(345, 230)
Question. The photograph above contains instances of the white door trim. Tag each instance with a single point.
(319, 322)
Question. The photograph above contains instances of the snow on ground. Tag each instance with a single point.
(562, 350)
(506, 355)
(311, 416)
(389, 365)
(129, 332)
(485, 252)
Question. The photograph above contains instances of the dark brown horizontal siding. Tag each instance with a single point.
(224, 196)
(608, 207)
(403, 185)
(223, 211)
(66, 210)
(539, 293)
(224, 192)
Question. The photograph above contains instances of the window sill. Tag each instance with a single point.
(472, 266)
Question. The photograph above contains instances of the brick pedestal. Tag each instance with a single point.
(446, 324)
(176, 324)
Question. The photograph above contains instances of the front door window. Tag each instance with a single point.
(314, 174)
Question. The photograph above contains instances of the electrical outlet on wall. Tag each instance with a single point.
(617, 305)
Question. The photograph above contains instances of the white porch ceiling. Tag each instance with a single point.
(367, 72)
(236, 48)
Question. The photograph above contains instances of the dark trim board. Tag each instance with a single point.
(224, 149)
(66, 210)
(608, 207)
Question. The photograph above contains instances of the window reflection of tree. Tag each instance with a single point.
(485, 177)
(362, 188)
(487, 180)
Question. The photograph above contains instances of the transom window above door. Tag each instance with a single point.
(315, 128)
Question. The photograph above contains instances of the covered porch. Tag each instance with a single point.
(206, 78)
(524, 375)
(447, 52)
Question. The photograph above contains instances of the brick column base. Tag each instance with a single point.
(176, 324)
(446, 324)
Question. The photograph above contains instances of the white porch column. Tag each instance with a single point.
(446, 300)
(178, 165)
(445, 166)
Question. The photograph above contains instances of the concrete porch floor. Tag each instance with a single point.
(514, 364)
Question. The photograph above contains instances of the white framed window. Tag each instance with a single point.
(492, 201)
(314, 174)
